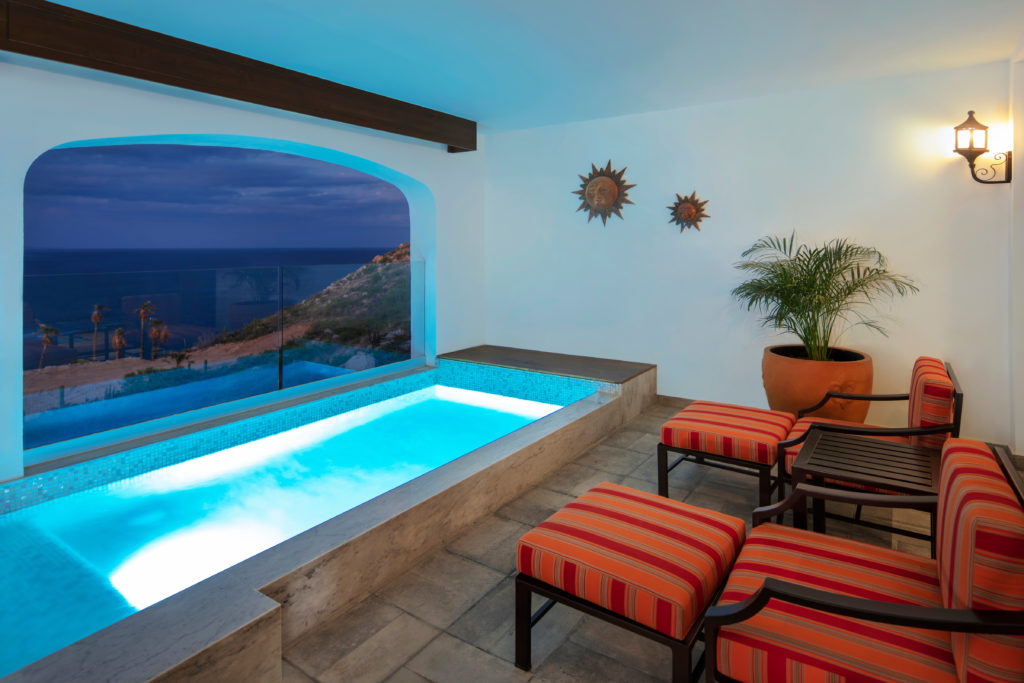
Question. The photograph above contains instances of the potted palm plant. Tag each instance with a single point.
(815, 292)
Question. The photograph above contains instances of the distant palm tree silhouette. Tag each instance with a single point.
(46, 331)
(145, 312)
(157, 332)
(119, 342)
(97, 318)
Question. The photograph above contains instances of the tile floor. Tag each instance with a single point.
(450, 619)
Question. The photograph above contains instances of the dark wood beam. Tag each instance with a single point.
(44, 29)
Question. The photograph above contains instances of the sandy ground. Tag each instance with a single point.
(78, 374)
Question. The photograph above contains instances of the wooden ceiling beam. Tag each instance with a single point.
(44, 29)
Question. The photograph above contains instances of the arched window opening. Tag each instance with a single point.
(164, 278)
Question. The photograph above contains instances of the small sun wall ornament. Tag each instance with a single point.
(688, 212)
(603, 192)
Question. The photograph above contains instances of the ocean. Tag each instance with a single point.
(69, 261)
(196, 291)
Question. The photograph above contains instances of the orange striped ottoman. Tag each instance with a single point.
(637, 560)
(728, 436)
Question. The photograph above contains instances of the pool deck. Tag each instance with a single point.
(450, 618)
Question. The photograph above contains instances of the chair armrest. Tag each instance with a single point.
(852, 397)
(803, 491)
(1009, 622)
(867, 431)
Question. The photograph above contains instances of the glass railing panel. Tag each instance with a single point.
(107, 350)
(339, 320)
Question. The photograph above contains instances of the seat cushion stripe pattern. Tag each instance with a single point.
(650, 559)
(786, 642)
(732, 431)
(980, 549)
(931, 400)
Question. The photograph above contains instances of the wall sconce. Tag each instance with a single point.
(972, 142)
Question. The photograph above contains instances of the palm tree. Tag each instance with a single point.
(806, 290)
(145, 311)
(119, 342)
(165, 335)
(46, 331)
(157, 330)
(96, 318)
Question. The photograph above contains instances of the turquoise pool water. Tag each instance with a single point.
(81, 562)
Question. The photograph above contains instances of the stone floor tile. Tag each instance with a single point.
(575, 480)
(611, 459)
(643, 485)
(729, 501)
(857, 532)
(291, 674)
(447, 658)
(441, 589)
(383, 653)
(545, 637)
(625, 647)
(674, 492)
(648, 424)
(647, 444)
(622, 438)
(915, 546)
(486, 622)
(321, 647)
(491, 542)
(685, 475)
(914, 520)
(573, 663)
(404, 675)
(662, 411)
(534, 506)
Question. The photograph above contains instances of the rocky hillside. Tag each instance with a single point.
(368, 308)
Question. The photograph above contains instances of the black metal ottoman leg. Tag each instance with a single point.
(681, 663)
(523, 597)
(764, 481)
(662, 470)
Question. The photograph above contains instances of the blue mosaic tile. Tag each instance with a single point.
(557, 389)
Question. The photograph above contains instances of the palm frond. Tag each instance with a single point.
(806, 289)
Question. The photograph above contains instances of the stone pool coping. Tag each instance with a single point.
(232, 625)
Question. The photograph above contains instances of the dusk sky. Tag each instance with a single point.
(189, 197)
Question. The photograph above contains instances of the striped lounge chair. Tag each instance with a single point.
(803, 606)
(637, 560)
(738, 438)
(933, 415)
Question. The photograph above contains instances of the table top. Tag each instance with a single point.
(872, 462)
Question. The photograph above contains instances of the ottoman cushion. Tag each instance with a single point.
(733, 431)
(653, 560)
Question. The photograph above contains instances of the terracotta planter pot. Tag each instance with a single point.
(792, 382)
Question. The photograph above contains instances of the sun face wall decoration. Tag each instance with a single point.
(688, 212)
(603, 192)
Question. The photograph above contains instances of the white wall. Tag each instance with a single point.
(45, 105)
(870, 161)
(1016, 312)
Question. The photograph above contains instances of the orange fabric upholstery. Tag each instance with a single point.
(733, 431)
(653, 560)
(931, 400)
(785, 642)
(980, 549)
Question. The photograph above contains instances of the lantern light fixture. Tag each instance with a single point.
(971, 142)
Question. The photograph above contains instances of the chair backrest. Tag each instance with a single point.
(980, 551)
(934, 399)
